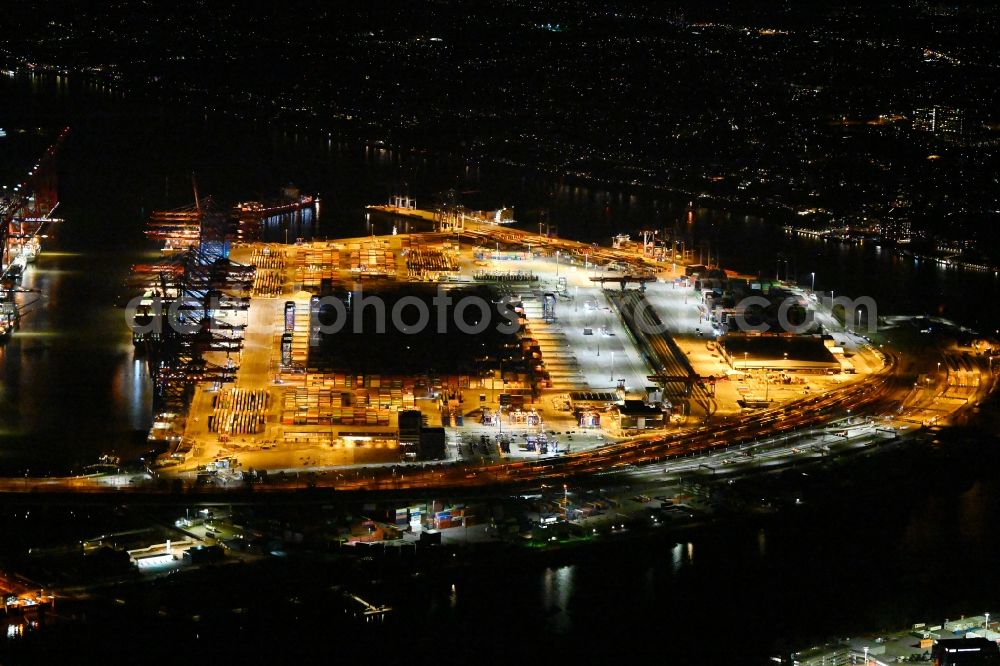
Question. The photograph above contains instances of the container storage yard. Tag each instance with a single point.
(304, 396)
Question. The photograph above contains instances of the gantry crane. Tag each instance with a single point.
(192, 301)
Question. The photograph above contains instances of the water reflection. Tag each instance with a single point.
(71, 358)
(677, 557)
(288, 227)
(557, 593)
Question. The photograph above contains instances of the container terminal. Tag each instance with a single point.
(251, 384)
(621, 405)
(27, 204)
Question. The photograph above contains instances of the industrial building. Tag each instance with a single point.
(417, 440)
(410, 424)
(955, 651)
(637, 415)
(806, 354)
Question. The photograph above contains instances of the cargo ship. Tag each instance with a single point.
(20, 254)
(267, 209)
(251, 216)
(290, 201)
(26, 210)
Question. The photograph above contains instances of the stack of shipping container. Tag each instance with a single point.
(269, 278)
(315, 398)
(372, 257)
(314, 264)
(239, 411)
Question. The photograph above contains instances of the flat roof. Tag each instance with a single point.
(773, 348)
(638, 407)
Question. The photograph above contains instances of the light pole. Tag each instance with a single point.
(499, 407)
(557, 263)
(612, 366)
(813, 285)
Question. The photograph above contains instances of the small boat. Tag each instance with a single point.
(30, 250)
(10, 317)
(16, 269)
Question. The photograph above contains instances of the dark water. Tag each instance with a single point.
(750, 592)
(72, 389)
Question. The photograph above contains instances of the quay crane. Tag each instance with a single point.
(192, 300)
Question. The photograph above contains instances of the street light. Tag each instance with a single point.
(557, 263)
(499, 407)
(612, 366)
(813, 286)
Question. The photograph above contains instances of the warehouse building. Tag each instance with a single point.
(801, 353)
(637, 415)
